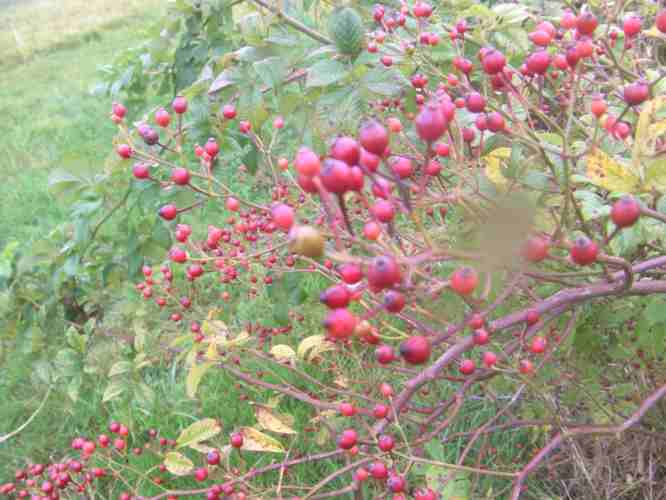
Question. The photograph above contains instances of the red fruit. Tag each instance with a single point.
(119, 110)
(88, 448)
(351, 273)
(661, 21)
(481, 336)
(278, 123)
(244, 126)
(489, 359)
(213, 457)
(283, 216)
(383, 211)
(495, 122)
(468, 134)
(433, 168)
(361, 474)
(540, 38)
(336, 175)
(336, 297)
(373, 137)
(493, 62)
(538, 345)
(396, 484)
(425, 494)
(625, 212)
(380, 411)
(212, 148)
(168, 212)
(476, 321)
(538, 62)
(416, 350)
(381, 188)
(385, 443)
(378, 470)
(347, 409)
(201, 474)
(371, 230)
(525, 367)
(568, 20)
(306, 183)
(475, 102)
(346, 149)
(236, 440)
(384, 354)
(340, 323)
(347, 439)
(631, 26)
(532, 317)
(383, 272)
(119, 444)
(232, 204)
(402, 166)
(141, 171)
(229, 111)
(535, 249)
(162, 117)
(179, 105)
(394, 301)
(114, 427)
(180, 176)
(560, 62)
(464, 280)
(178, 255)
(598, 107)
(124, 151)
(584, 251)
(422, 9)
(369, 160)
(356, 179)
(636, 93)
(431, 123)
(467, 367)
(586, 23)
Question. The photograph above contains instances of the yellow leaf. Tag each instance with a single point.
(309, 343)
(654, 32)
(194, 376)
(178, 464)
(215, 328)
(655, 175)
(283, 352)
(494, 166)
(199, 431)
(646, 132)
(605, 172)
(203, 448)
(254, 440)
(271, 421)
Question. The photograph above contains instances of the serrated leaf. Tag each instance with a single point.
(325, 72)
(272, 421)
(178, 464)
(605, 172)
(194, 376)
(254, 440)
(120, 367)
(114, 390)
(198, 432)
(283, 352)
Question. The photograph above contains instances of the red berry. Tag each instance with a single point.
(540, 38)
(119, 110)
(584, 251)
(383, 272)
(396, 484)
(347, 409)
(625, 212)
(538, 62)
(378, 470)
(535, 249)
(493, 62)
(373, 137)
(347, 439)
(346, 149)
(525, 367)
(464, 280)
(568, 20)
(162, 117)
(538, 345)
(380, 411)
(236, 440)
(124, 151)
(598, 107)
(336, 297)
(532, 317)
(229, 111)
(232, 204)
(384, 354)
(631, 26)
(180, 176)
(307, 162)
(212, 147)
(119, 444)
(361, 474)
(431, 123)
(201, 474)
(168, 212)
(586, 23)
(661, 21)
(636, 93)
(402, 166)
(369, 160)
(383, 211)
(425, 494)
(476, 321)
(415, 350)
(179, 105)
(467, 367)
(495, 122)
(481, 336)
(394, 301)
(336, 175)
(351, 273)
(283, 216)
(475, 102)
(141, 171)
(371, 230)
(340, 323)
(489, 359)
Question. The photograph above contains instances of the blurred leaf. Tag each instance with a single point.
(605, 172)
(283, 352)
(178, 464)
(655, 175)
(494, 166)
(120, 367)
(194, 376)
(198, 432)
(272, 421)
(254, 440)
(114, 390)
(325, 72)
(76, 340)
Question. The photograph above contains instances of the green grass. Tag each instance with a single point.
(50, 118)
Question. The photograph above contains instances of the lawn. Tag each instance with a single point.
(49, 115)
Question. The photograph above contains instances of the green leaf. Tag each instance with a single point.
(144, 394)
(74, 388)
(272, 71)
(194, 376)
(198, 432)
(61, 182)
(68, 363)
(114, 390)
(178, 464)
(120, 367)
(76, 340)
(655, 312)
(325, 72)
(655, 175)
